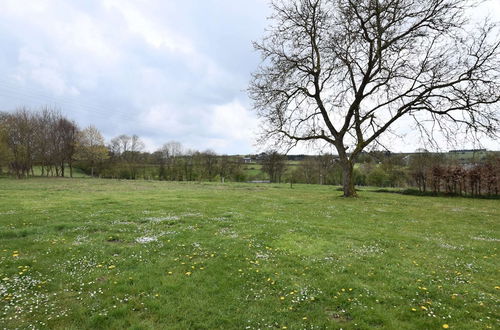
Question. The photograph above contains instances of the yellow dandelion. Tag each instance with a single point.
(413, 309)
(423, 308)
(188, 273)
(304, 318)
(15, 254)
(446, 326)
(169, 273)
(111, 267)
(282, 298)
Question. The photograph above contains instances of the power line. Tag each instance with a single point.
(72, 104)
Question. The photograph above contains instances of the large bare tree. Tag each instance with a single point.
(343, 72)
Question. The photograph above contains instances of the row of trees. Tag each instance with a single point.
(378, 170)
(46, 143)
(432, 173)
(428, 172)
(171, 163)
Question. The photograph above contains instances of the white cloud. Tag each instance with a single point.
(167, 119)
(39, 67)
(233, 121)
(155, 34)
(225, 128)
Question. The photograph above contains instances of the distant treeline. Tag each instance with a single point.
(47, 140)
(429, 172)
(54, 145)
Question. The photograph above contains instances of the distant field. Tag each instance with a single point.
(95, 254)
(77, 173)
(470, 155)
(253, 172)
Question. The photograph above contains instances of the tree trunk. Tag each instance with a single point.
(347, 178)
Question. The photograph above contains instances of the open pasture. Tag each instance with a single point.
(90, 254)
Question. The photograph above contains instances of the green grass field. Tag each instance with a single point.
(95, 254)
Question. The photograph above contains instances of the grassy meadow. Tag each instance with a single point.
(96, 254)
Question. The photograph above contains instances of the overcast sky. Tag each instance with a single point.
(162, 69)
